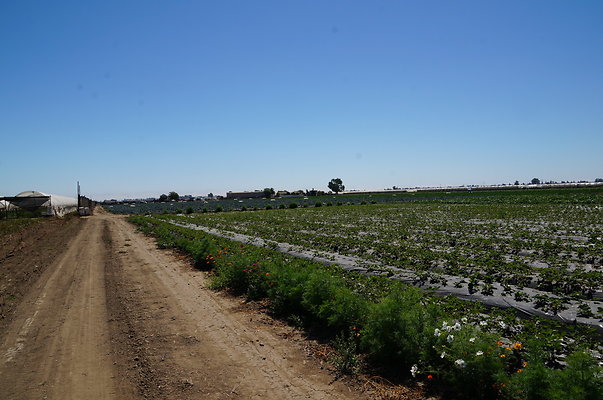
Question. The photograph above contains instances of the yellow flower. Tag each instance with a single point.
(517, 346)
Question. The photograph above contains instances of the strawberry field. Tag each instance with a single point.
(529, 264)
(545, 257)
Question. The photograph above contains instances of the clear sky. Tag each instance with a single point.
(138, 98)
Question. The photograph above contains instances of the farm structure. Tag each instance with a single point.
(245, 195)
(47, 204)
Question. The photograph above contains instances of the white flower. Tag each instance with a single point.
(456, 327)
(502, 325)
(450, 338)
(443, 354)
(479, 353)
(413, 370)
(464, 320)
(460, 363)
(472, 340)
(444, 325)
(437, 332)
(483, 323)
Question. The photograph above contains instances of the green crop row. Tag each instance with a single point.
(553, 247)
(401, 331)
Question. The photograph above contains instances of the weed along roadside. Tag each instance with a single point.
(459, 349)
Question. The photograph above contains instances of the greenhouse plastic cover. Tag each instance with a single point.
(58, 205)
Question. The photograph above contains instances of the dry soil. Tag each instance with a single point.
(91, 309)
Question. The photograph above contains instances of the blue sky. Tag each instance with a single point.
(139, 98)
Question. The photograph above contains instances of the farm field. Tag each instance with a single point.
(549, 254)
(90, 309)
(537, 254)
(512, 195)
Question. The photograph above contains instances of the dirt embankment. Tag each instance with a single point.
(111, 317)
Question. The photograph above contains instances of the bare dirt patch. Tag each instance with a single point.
(26, 254)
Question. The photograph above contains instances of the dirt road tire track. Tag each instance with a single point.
(115, 318)
(57, 345)
(205, 344)
(25, 255)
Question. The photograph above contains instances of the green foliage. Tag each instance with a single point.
(471, 363)
(189, 210)
(241, 275)
(292, 205)
(336, 185)
(399, 329)
(582, 379)
(346, 359)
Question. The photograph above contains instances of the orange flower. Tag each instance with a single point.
(519, 371)
(500, 343)
(502, 356)
(508, 348)
(517, 346)
(267, 273)
(430, 377)
(525, 364)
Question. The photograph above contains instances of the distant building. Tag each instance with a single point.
(258, 194)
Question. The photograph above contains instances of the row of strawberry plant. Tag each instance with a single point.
(440, 238)
(401, 330)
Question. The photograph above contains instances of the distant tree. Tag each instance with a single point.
(598, 180)
(163, 197)
(315, 192)
(174, 196)
(269, 192)
(535, 181)
(210, 195)
(336, 185)
(516, 183)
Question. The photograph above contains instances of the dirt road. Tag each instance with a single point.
(112, 317)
